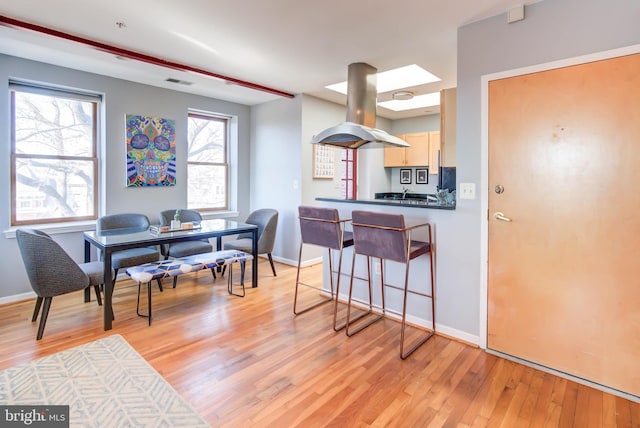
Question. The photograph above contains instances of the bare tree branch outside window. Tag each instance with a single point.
(54, 158)
(207, 165)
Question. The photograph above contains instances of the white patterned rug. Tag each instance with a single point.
(106, 383)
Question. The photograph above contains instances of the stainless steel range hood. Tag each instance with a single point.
(359, 129)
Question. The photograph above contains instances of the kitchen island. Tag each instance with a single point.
(418, 308)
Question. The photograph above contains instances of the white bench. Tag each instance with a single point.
(149, 272)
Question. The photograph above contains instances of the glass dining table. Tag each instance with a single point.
(108, 242)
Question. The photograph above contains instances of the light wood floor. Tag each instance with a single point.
(250, 362)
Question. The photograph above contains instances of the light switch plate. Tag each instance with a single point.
(467, 191)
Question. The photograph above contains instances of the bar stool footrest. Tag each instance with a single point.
(363, 326)
(405, 355)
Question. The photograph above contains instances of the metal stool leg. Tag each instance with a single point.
(349, 321)
(230, 282)
(295, 297)
(404, 355)
(335, 307)
(336, 327)
(148, 301)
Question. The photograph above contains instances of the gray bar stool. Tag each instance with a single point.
(385, 236)
(322, 227)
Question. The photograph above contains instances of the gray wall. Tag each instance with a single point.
(276, 168)
(552, 30)
(120, 97)
(318, 115)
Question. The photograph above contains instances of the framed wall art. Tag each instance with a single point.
(405, 176)
(323, 161)
(422, 176)
(151, 151)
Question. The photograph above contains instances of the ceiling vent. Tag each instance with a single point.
(178, 81)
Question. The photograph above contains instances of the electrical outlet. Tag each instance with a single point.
(467, 191)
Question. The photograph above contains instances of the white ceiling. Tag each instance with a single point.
(296, 46)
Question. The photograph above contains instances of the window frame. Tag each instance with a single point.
(350, 183)
(95, 100)
(226, 164)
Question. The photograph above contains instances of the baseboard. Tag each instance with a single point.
(442, 330)
(17, 298)
(294, 263)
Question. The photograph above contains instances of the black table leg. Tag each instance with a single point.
(218, 248)
(108, 291)
(87, 258)
(254, 263)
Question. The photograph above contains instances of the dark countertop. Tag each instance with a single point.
(408, 202)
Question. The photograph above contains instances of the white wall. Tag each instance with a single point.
(120, 98)
(412, 125)
(552, 30)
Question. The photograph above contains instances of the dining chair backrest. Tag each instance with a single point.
(320, 226)
(267, 221)
(185, 216)
(50, 269)
(131, 221)
(182, 249)
(380, 235)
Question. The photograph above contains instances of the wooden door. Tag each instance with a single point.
(564, 274)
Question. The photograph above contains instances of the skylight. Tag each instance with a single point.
(419, 101)
(403, 77)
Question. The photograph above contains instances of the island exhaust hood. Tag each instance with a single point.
(359, 129)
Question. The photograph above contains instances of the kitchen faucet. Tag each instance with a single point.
(404, 191)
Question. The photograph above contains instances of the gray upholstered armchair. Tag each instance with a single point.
(52, 272)
(267, 221)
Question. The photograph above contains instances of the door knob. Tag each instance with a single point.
(500, 216)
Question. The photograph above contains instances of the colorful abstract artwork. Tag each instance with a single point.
(151, 151)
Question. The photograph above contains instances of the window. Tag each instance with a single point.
(207, 163)
(348, 183)
(53, 155)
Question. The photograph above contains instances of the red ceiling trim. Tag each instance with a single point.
(10, 22)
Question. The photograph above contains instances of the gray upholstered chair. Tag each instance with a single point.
(267, 221)
(188, 248)
(135, 256)
(322, 227)
(52, 272)
(385, 237)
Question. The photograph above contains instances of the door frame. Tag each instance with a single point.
(484, 160)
